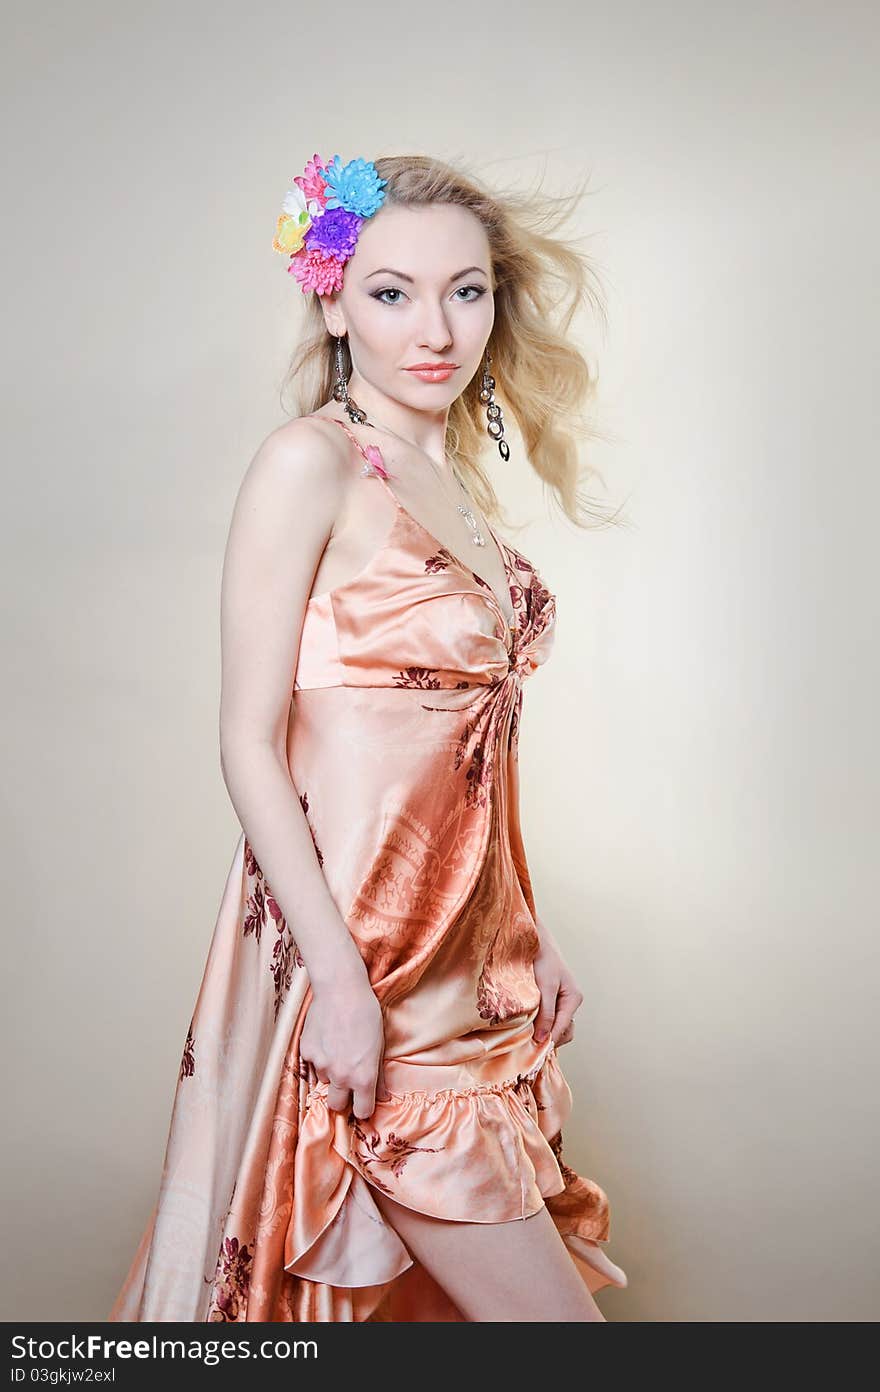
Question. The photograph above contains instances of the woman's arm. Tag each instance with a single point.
(283, 517)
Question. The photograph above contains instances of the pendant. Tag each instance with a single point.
(478, 539)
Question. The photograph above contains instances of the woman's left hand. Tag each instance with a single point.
(560, 996)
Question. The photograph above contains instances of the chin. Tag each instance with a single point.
(434, 395)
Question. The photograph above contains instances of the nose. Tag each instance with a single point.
(436, 334)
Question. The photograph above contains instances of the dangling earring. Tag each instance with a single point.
(493, 411)
(340, 390)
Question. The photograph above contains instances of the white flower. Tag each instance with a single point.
(296, 206)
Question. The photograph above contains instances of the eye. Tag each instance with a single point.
(390, 290)
(478, 291)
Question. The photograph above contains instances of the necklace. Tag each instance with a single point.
(359, 417)
(467, 513)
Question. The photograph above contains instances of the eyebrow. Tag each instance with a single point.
(389, 270)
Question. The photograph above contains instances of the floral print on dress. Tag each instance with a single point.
(398, 1151)
(479, 765)
(506, 985)
(285, 954)
(253, 917)
(533, 596)
(231, 1283)
(188, 1060)
(424, 677)
(261, 902)
(494, 1003)
(304, 803)
(568, 1174)
(442, 559)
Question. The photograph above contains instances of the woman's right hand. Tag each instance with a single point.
(344, 1039)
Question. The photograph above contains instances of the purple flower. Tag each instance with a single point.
(334, 233)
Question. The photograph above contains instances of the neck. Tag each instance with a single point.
(426, 430)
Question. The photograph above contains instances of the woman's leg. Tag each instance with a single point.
(519, 1271)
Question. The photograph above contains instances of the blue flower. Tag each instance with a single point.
(355, 186)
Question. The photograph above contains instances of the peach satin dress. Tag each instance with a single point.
(402, 746)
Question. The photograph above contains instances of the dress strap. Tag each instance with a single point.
(348, 432)
(372, 454)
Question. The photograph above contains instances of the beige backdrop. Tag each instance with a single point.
(700, 759)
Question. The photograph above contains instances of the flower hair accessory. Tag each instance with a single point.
(321, 218)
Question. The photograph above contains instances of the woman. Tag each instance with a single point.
(370, 1092)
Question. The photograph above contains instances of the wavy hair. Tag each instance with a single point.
(542, 279)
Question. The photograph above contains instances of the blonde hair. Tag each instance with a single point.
(542, 379)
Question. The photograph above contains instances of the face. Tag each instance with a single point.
(418, 289)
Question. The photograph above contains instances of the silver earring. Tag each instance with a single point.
(340, 390)
(495, 427)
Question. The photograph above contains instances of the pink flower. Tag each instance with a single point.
(311, 181)
(315, 271)
(374, 456)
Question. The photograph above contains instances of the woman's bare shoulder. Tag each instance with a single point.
(301, 461)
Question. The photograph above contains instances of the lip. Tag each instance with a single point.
(432, 372)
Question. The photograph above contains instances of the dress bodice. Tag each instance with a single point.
(417, 615)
